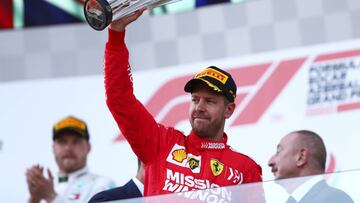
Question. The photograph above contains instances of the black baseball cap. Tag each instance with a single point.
(218, 80)
(71, 124)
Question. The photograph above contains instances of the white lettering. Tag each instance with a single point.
(179, 189)
(171, 176)
(194, 188)
(226, 194)
(182, 177)
(212, 145)
(201, 195)
(169, 186)
(187, 194)
(212, 199)
(216, 190)
(189, 181)
(200, 184)
(185, 189)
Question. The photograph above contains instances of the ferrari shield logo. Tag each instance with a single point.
(216, 167)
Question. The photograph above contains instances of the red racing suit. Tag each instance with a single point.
(173, 162)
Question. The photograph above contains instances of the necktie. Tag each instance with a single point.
(291, 200)
(63, 179)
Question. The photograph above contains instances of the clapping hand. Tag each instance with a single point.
(39, 186)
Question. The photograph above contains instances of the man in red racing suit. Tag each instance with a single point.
(175, 162)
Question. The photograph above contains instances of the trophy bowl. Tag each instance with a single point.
(100, 13)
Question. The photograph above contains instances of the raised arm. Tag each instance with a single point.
(135, 122)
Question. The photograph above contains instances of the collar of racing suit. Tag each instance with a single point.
(203, 144)
(74, 175)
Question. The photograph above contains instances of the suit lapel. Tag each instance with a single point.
(131, 189)
(313, 192)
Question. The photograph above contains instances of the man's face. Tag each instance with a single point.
(208, 112)
(284, 162)
(70, 152)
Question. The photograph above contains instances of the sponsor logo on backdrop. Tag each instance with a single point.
(334, 83)
(213, 195)
(258, 87)
(333, 86)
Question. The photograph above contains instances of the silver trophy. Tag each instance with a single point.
(100, 13)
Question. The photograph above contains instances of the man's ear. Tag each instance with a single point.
(230, 108)
(302, 157)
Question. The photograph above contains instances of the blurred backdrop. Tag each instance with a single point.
(297, 65)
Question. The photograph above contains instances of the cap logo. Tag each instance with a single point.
(216, 88)
(70, 123)
(213, 74)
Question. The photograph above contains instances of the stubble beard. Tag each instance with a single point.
(207, 131)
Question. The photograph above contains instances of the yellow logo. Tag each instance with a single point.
(213, 74)
(216, 167)
(179, 155)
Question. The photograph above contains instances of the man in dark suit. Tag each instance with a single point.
(303, 154)
(132, 189)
